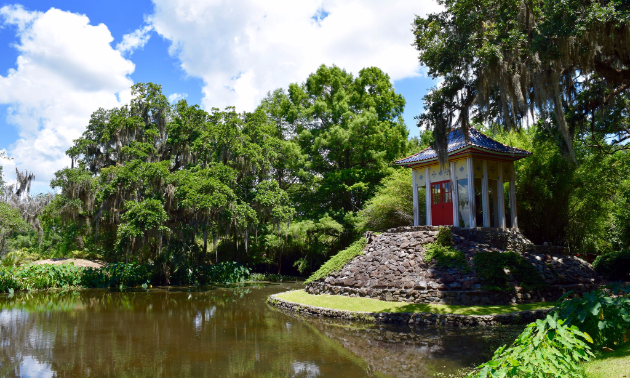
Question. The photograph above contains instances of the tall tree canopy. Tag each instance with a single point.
(349, 130)
(149, 173)
(564, 61)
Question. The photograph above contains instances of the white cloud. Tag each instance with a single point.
(66, 69)
(244, 48)
(135, 40)
(177, 96)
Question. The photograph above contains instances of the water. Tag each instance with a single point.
(212, 332)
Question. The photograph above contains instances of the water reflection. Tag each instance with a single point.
(401, 351)
(201, 332)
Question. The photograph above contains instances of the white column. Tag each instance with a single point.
(495, 206)
(428, 196)
(414, 185)
(485, 198)
(455, 196)
(501, 197)
(471, 192)
(513, 197)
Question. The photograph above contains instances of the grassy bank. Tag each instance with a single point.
(610, 365)
(374, 305)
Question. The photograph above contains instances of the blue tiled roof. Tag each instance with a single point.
(456, 142)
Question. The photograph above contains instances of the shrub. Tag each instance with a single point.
(547, 348)
(118, 275)
(227, 271)
(446, 257)
(34, 277)
(491, 267)
(443, 253)
(20, 257)
(604, 316)
(444, 237)
(614, 265)
(337, 262)
(271, 277)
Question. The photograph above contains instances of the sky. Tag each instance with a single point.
(62, 60)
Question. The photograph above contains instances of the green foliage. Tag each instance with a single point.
(564, 203)
(446, 257)
(271, 277)
(614, 265)
(10, 221)
(337, 262)
(547, 348)
(19, 257)
(391, 206)
(502, 61)
(117, 275)
(443, 253)
(225, 272)
(37, 277)
(444, 237)
(555, 347)
(349, 130)
(492, 266)
(604, 314)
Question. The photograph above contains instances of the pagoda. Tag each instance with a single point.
(470, 189)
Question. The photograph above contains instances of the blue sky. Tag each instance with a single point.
(61, 60)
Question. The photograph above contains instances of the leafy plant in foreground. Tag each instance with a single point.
(604, 316)
(547, 348)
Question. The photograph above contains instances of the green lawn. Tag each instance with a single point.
(614, 364)
(339, 302)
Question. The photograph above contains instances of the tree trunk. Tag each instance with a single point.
(205, 243)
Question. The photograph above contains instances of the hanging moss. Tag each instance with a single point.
(491, 267)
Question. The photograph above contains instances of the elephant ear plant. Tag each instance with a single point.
(547, 348)
(604, 314)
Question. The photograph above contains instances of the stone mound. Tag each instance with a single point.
(393, 268)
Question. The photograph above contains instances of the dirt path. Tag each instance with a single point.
(77, 262)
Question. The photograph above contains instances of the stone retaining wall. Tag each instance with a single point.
(392, 268)
(452, 297)
(423, 318)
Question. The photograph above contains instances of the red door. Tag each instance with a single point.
(441, 204)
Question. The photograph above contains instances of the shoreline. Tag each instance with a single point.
(410, 318)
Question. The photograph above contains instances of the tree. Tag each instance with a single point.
(148, 179)
(349, 130)
(565, 203)
(564, 61)
(10, 221)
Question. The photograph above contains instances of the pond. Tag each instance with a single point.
(214, 332)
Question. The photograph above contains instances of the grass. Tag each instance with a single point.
(339, 260)
(614, 364)
(374, 305)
